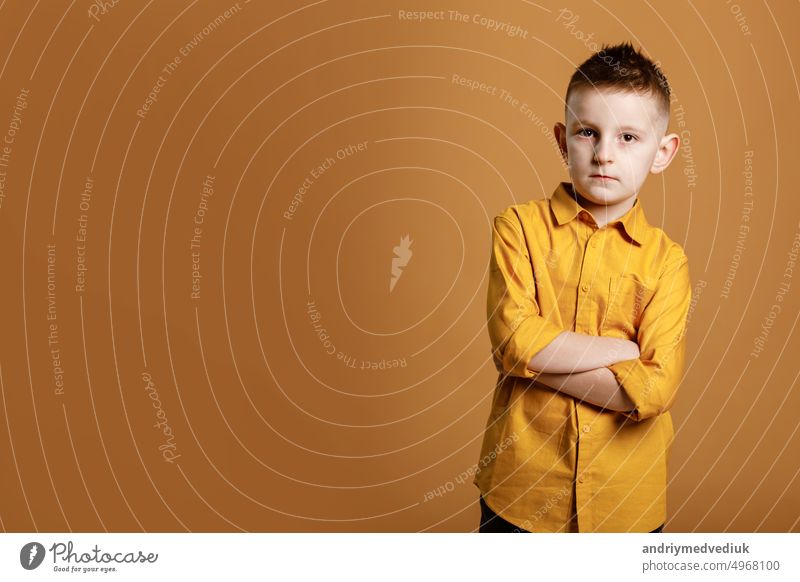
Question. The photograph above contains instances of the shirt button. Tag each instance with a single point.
(586, 428)
(594, 243)
(581, 479)
(584, 287)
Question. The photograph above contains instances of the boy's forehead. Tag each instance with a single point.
(613, 106)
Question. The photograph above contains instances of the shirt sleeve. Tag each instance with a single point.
(517, 329)
(652, 380)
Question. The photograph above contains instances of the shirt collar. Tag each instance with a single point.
(566, 208)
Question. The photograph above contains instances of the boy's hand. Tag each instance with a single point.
(628, 350)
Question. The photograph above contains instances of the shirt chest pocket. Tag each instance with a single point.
(628, 296)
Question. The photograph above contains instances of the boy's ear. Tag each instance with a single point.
(666, 152)
(560, 132)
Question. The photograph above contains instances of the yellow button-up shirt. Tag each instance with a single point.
(549, 462)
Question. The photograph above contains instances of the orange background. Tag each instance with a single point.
(270, 431)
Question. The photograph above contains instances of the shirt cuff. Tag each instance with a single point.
(533, 335)
(636, 379)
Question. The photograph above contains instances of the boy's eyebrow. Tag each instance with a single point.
(584, 123)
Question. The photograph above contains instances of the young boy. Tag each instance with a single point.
(587, 305)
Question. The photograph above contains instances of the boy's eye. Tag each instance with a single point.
(628, 137)
(586, 131)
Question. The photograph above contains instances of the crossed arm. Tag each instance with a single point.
(575, 364)
(530, 343)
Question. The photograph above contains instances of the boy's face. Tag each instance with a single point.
(611, 140)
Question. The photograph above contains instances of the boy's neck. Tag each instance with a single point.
(604, 213)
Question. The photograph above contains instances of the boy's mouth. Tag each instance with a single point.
(602, 177)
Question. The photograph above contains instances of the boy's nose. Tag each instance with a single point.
(603, 152)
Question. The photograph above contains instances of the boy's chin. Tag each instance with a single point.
(603, 194)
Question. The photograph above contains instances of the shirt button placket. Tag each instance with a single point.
(582, 315)
(583, 489)
(583, 318)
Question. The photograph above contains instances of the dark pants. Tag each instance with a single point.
(493, 523)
